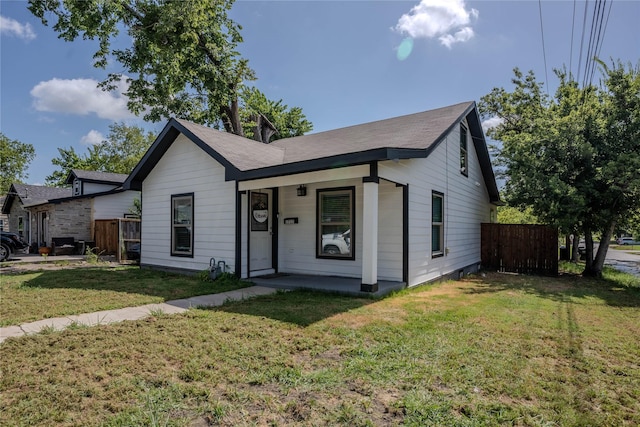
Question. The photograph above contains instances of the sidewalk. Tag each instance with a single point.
(134, 313)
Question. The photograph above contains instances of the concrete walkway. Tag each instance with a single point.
(133, 313)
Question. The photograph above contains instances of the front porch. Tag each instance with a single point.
(331, 284)
(344, 223)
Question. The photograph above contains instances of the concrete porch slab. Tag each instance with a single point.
(332, 284)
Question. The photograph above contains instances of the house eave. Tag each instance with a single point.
(332, 162)
(68, 199)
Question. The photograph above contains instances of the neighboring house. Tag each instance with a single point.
(22, 195)
(399, 199)
(69, 212)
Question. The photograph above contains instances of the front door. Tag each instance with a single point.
(261, 232)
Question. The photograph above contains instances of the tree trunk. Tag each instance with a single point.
(575, 253)
(235, 118)
(588, 256)
(257, 129)
(231, 118)
(594, 269)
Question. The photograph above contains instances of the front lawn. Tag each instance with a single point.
(484, 351)
(38, 295)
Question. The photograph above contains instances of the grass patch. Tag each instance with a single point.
(610, 276)
(625, 247)
(484, 351)
(44, 294)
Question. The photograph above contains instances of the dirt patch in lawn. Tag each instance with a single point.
(13, 267)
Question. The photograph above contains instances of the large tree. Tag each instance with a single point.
(15, 157)
(182, 60)
(573, 158)
(119, 153)
(256, 107)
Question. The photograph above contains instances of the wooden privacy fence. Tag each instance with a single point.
(517, 248)
(115, 236)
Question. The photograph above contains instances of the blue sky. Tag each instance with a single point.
(342, 62)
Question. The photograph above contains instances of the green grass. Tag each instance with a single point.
(53, 293)
(625, 247)
(485, 351)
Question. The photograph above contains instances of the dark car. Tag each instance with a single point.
(11, 244)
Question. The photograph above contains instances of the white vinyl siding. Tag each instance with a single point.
(466, 206)
(297, 242)
(115, 205)
(185, 168)
(93, 187)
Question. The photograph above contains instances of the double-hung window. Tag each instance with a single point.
(437, 224)
(182, 225)
(464, 154)
(335, 224)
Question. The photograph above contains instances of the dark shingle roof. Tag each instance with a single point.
(415, 131)
(99, 177)
(242, 153)
(410, 136)
(30, 195)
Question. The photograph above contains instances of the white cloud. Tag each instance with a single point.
(448, 20)
(92, 138)
(11, 27)
(81, 97)
(463, 35)
(491, 123)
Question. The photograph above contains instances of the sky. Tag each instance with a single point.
(342, 62)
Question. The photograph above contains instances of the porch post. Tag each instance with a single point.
(370, 235)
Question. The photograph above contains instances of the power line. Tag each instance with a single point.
(584, 26)
(573, 23)
(544, 53)
(597, 38)
(588, 59)
(600, 41)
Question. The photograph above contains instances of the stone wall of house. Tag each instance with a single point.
(66, 219)
(72, 219)
(15, 213)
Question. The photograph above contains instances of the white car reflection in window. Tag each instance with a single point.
(337, 243)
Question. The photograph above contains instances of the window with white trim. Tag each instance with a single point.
(464, 155)
(182, 225)
(437, 224)
(335, 223)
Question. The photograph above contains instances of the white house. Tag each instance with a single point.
(399, 200)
